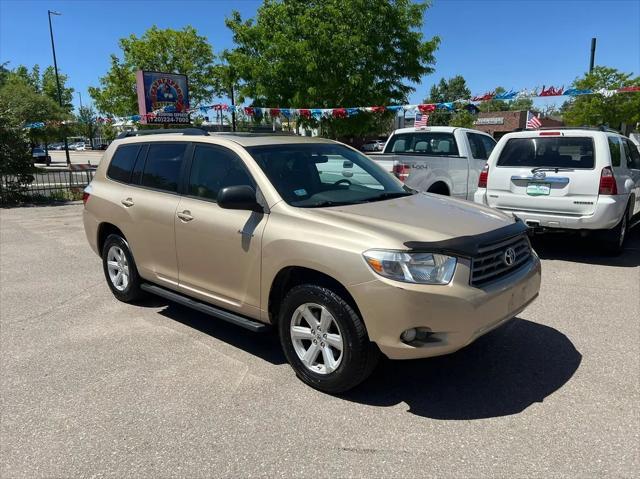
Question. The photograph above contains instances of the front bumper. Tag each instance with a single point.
(455, 314)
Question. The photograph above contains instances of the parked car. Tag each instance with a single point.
(375, 145)
(247, 229)
(438, 159)
(78, 146)
(40, 156)
(573, 179)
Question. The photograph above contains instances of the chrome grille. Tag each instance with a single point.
(489, 264)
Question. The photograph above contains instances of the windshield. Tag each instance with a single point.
(312, 175)
(559, 152)
(423, 143)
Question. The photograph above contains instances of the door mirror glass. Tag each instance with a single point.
(241, 197)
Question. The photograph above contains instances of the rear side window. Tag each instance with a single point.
(633, 155)
(614, 150)
(122, 162)
(481, 145)
(162, 168)
(214, 168)
(423, 143)
(562, 152)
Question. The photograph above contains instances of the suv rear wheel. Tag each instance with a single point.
(325, 340)
(614, 238)
(120, 269)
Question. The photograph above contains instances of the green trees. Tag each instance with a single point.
(327, 53)
(15, 157)
(600, 109)
(447, 91)
(167, 50)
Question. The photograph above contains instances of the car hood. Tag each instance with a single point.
(420, 217)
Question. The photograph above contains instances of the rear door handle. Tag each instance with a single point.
(185, 215)
(127, 202)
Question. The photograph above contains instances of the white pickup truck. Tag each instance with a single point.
(438, 159)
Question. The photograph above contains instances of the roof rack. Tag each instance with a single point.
(590, 128)
(164, 131)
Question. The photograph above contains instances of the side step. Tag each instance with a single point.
(228, 316)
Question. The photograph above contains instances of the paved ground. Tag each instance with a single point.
(91, 386)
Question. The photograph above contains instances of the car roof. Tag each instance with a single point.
(243, 139)
(588, 132)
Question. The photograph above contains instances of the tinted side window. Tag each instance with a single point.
(478, 149)
(122, 162)
(162, 168)
(633, 155)
(214, 168)
(489, 144)
(614, 149)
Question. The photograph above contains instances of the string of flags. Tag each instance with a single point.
(468, 104)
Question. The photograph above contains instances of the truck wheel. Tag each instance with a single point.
(120, 269)
(325, 340)
(613, 239)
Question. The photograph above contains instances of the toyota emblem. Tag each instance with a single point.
(509, 257)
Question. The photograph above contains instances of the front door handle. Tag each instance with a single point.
(185, 215)
(127, 202)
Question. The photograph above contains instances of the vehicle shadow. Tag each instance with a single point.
(263, 345)
(573, 247)
(502, 373)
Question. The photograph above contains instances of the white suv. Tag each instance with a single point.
(574, 179)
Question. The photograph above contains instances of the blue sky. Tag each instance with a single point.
(514, 44)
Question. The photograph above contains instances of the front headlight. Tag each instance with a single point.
(421, 268)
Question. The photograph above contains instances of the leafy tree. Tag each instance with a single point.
(601, 110)
(172, 51)
(15, 158)
(446, 91)
(330, 53)
(49, 87)
(45, 83)
(86, 119)
(463, 119)
(228, 81)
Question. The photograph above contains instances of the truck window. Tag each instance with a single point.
(423, 143)
(481, 145)
(564, 152)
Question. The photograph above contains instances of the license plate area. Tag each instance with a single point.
(539, 189)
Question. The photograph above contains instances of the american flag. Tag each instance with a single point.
(533, 122)
(421, 120)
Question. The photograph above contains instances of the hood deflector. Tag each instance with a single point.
(468, 246)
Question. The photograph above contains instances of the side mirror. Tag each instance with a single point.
(241, 197)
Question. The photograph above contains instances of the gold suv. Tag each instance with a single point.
(309, 236)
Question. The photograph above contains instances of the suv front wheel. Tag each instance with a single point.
(325, 340)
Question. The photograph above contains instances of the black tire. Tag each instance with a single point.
(613, 239)
(359, 355)
(132, 291)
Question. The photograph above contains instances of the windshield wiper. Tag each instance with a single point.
(551, 168)
(388, 196)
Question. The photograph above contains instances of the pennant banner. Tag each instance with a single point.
(468, 104)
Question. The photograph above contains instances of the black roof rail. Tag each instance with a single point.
(590, 128)
(164, 131)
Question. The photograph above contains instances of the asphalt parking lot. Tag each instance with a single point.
(91, 386)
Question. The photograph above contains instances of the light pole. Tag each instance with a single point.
(55, 67)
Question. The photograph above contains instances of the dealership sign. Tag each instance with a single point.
(494, 120)
(162, 97)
